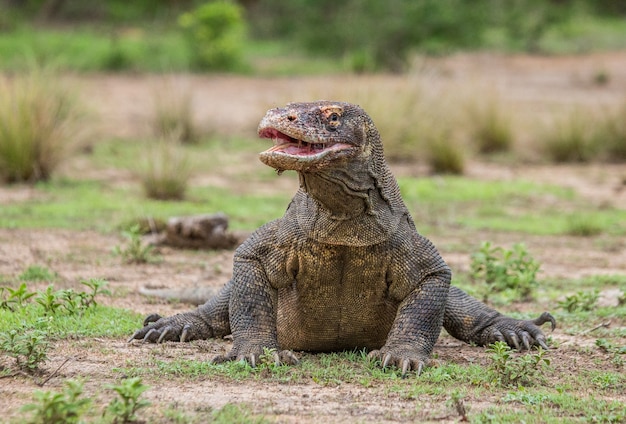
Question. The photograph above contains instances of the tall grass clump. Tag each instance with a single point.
(492, 130)
(39, 120)
(165, 170)
(611, 135)
(571, 138)
(417, 123)
(445, 156)
(173, 114)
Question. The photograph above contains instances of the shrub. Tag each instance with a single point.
(38, 126)
(166, 170)
(215, 33)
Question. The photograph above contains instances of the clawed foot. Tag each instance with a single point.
(286, 357)
(519, 333)
(182, 328)
(406, 359)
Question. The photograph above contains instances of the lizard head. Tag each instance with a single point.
(314, 136)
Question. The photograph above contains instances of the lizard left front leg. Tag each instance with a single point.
(469, 320)
(416, 327)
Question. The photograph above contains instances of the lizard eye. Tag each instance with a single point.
(334, 117)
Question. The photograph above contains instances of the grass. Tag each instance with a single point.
(571, 138)
(173, 113)
(492, 129)
(165, 168)
(39, 126)
(435, 202)
(86, 49)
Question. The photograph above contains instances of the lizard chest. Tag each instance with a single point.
(335, 297)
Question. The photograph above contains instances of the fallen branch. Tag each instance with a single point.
(605, 324)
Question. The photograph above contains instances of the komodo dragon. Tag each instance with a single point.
(344, 268)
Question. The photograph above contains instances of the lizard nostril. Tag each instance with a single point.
(292, 117)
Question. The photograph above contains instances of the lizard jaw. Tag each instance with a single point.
(299, 155)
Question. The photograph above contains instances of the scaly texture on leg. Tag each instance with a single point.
(207, 321)
(472, 321)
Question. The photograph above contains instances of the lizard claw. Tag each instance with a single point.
(512, 331)
(403, 359)
(163, 334)
(182, 327)
(543, 318)
(148, 335)
(185, 333)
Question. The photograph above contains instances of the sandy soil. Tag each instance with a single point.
(236, 103)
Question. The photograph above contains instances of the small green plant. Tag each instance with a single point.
(38, 126)
(215, 34)
(616, 351)
(29, 347)
(37, 273)
(166, 170)
(15, 298)
(124, 408)
(136, 252)
(56, 408)
(97, 287)
(50, 300)
(510, 370)
(513, 271)
(580, 301)
(456, 401)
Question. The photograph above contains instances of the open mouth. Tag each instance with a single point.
(284, 143)
(288, 145)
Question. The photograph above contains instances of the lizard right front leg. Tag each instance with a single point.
(207, 321)
(253, 305)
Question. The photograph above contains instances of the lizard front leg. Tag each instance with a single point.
(253, 305)
(417, 326)
(469, 320)
(207, 321)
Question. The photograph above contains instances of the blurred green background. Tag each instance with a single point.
(257, 35)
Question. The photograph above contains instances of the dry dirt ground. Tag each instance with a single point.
(236, 104)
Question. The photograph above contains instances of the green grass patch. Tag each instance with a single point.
(85, 49)
(81, 205)
(514, 206)
(98, 321)
(452, 202)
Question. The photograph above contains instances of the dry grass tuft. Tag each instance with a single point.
(166, 170)
(571, 138)
(491, 125)
(173, 113)
(39, 128)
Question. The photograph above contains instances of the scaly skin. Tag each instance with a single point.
(344, 268)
